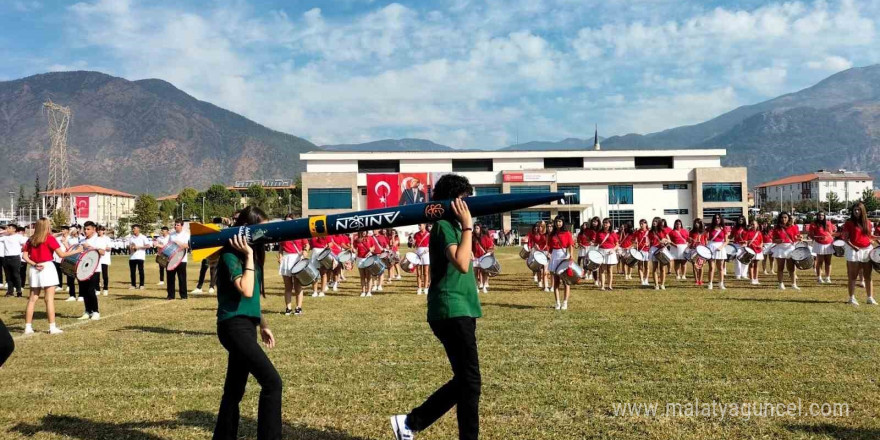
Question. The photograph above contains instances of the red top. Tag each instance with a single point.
(754, 239)
(337, 243)
(421, 239)
(821, 234)
(790, 234)
(318, 242)
(877, 230)
(678, 236)
(718, 235)
(697, 238)
(656, 237)
(42, 253)
(585, 238)
(293, 246)
(537, 242)
(667, 230)
(395, 244)
(641, 240)
(736, 234)
(482, 246)
(562, 240)
(855, 235)
(607, 240)
(627, 240)
(767, 237)
(362, 245)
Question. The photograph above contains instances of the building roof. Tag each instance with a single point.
(504, 154)
(88, 189)
(818, 175)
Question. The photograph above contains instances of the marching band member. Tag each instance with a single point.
(137, 244)
(421, 240)
(38, 253)
(822, 232)
(289, 253)
(181, 239)
(626, 242)
(87, 287)
(595, 227)
(12, 243)
(160, 242)
(785, 235)
(658, 239)
(482, 245)
(561, 248)
(337, 244)
(697, 237)
(608, 242)
(642, 243)
(584, 241)
(754, 240)
(767, 238)
(717, 239)
(73, 239)
(395, 249)
(318, 244)
(739, 270)
(107, 244)
(381, 246)
(535, 242)
(61, 239)
(859, 240)
(678, 237)
(364, 247)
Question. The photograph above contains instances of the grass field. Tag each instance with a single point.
(153, 369)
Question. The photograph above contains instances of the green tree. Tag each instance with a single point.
(22, 200)
(146, 212)
(832, 202)
(168, 211)
(220, 202)
(871, 202)
(191, 204)
(37, 188)
(257, 196)
(60, 218)
(122, 227)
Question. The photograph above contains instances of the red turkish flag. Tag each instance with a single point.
(82, 207)
(382, 191)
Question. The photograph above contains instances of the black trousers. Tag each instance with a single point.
(7, 345)
(458, 336)
(22, 273)
(203, 271)
(139, 266)
(180, 274)
(60, 275)
(105, 276)
(161, 273)
(71, 285)
(87, 292)
(238, 336)
(12, 267)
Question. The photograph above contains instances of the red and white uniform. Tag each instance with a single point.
(421, 240)
(822, 236)
(559, 245)
(537, 242)
(697, 239)
(858, 247)
(42, 255)
(585, 241)
(754, 240)
(678, 238)
(641, 241)
(482, 246)
(787, 237)
(362, 247)
(716, 238)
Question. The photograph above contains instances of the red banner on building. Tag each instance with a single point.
(413, 188)
(383, 190)
(82, 207)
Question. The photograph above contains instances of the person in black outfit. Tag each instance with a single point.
(7, 345)
(239, 288)
(180, 238)
(88, 287)
(12, 260)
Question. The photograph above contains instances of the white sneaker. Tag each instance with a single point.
(852, 300)
(95, 316)
(363, 294)
(781, 286)
(795, 287)
(80, 299)
(160, 283)
(547, 289)
(828, 280)
(70, 299)
(55, 331)
(196, 290)
(141, 288)
(662, 287)
(334, 287)
(684, 277)
(131, 288)
(821, 280)
(28, 330)
(84, 317)
(106, 293)
(565, 305)
(710, 286)
(871, 301)
(721, 286)
(401, 431)
(314, 294)
(863, 284)
(380, 288)
(656, 287)
(211, 290)
(485, 290)
(754, 282)
(398, 277)
(558, 306)
(369, 294)
(419, 291)
(535, 278)
(321, 294)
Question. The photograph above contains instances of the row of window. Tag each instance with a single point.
(477, 165)
(340, 198)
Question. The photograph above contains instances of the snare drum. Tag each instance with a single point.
(701, 255)
(170, 256)
(326, 260)
(489, 264)
(570, 273)
(82, 265)
(345, 257)
(524, 252)
(839, 248)
(373, 265)
(746, 255)
(410, 262)
(537, 261)
(595, 259)
(663, 256)
(305, 273)
(633, 257)
(874, 257)
(802, 257)
(732, 250)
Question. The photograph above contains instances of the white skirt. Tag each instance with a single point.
(582, 251)
(782, 251)
(557, 256)
(313, 254)
(48, 277)
(858, 255)
(424, 256)
(610, 256)
(718, 251)
(759, 256)
(678, 251)
(285, 269)
(822, 249)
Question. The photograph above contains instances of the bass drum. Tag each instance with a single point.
(373, 265)
(595, 259)
(82, 265)
(170, 256)
(537, 261)
(489, 264)
(305, 273)
(524, 252)
(802, 257)
(570, 273)
(633, 257)
(410, 262)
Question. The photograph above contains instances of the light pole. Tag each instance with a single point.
(288, 202)
(203, 209)
(12, 205)
(182, 205)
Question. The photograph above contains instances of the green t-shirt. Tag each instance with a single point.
(452, 294)
(230, 302)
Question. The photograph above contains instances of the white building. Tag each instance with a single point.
(815, 187)
(101, 205)
(624, 185)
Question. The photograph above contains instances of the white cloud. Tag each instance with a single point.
(831, 64)
(655, 113)
(26, 6)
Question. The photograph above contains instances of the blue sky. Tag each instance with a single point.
(459, 72)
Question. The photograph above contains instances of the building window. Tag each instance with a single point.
(653, 162)
(571, 200)
(471, 165)
(363, 191)
(675, 212)
(489, 221)
(675, 186)
(722, 192)
(726, 213)
(525, 189)
(620, 194)
(572, 218)
(523, 220)
(378, 166)
(329, 198)
(563, 162)
(620, 217)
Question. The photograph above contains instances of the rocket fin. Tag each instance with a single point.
(202, 229)
(201, 254)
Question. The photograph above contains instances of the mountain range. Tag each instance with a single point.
(136, 136)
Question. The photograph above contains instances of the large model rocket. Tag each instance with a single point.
(205, 240)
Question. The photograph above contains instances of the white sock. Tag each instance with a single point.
(28, 326)
(51, 326)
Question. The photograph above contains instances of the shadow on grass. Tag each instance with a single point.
(86, 429)
(837, 432)
(513, 306)
(788, 300)
(164, 331)
(41, 314)
(134, 297)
